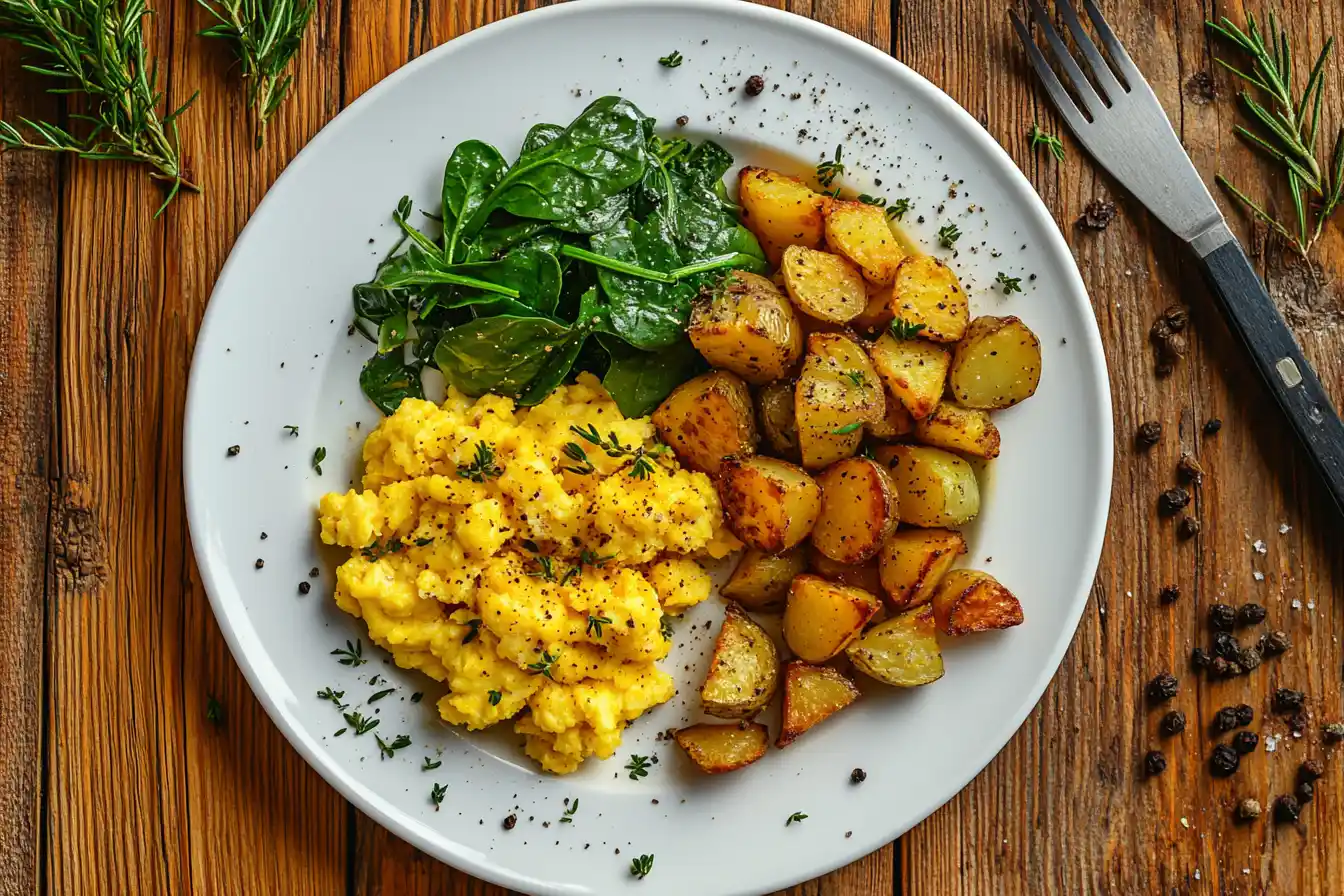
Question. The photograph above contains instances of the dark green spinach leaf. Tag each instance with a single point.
(531, 270)
(497, 354)
(471, 174)
(638, 381)
(387, 380)
(647, 314)
(561, 361)
(540, 135)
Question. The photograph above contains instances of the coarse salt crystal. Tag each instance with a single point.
(1245, 871)
(1259, 576)
(1260, 547)
(1184, 823)
(1283, 528)
(1196, 874)
(1297, 604)
(1271, 743)
(1311, 605)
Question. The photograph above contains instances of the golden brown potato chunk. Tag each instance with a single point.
(707, 419)
(967, 430)
(812, 694)
(968, 600)
(822, 617)
(936, 488)
(896, 423)
(902, 652)
(860, 232)
(876, 314)
(913, 561)
(822, 285)
(863, 575)
(774, 405)
(996, 365)
(770, 504)
(858, 510)
(914, 371)
(746, 325)
(744, 671)
(782, 211)
(838, 392)
(927, 292)
(761, 581)
(723, 748)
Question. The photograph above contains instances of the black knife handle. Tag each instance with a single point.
(1252, 315)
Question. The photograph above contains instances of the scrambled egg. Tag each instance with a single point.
(531, 579)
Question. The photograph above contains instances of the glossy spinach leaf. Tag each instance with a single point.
(645, 313)
(560, 361)
(387, 380)
(605, 215)
(497, 354)
(497, 239)
(470, 176)
(705, 227)
(386, 295)
(539, 136)
(638, 381)
(531, 269)
(707, 162)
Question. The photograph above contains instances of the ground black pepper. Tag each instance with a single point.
(1218, 667)
(1275, 643)
(1173, 500)
(1286, 809)
(1248, 810)
(858, 776)
(1251, 614)
(1177, 317)
(1298, 721)
(1222, 617)
(1211, 428)
(1245, 742)
(1149, 434)
(1188, 528)
(1097, 215)
(755, 84)
(1224, 761)
(1169, 594)
(233, 450)
(1162, 688)
(304, 587)
(1249, 659)
(1287, 700)
(313, 573)
(1172, 723)
(510, 821)
(683, 120)
(1154, 763)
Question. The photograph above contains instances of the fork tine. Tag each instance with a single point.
(1068, 109)
(1081, 85)
(1128, 70)
(1100, 70)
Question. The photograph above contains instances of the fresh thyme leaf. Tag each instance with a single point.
(575, 452)
(543, 665)
(638, 766)
(333, 696)
(350, 654)
(417, 697)
(388, 750)
(381, 694)
(640, 467)
(568, 817)
(474, 629)
(544, 570)
(897, 210)
(1037, 137)
(797, 816)
(430, 764)
(495, 697)
(437, 794)
(665, 627)
(671, 60)
(483, 466)
(948, 234)
(1010, 284)
(829, 169)
(641, 866)
(595, 624)
(214, 711)
(856, 377)
(319, 455)
(847, 428)
(292, 430)
(904, 329)
(423, 542)
(867, 451)
(339, 731)
(358, 722)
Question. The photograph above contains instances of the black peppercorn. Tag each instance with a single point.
(1245, 715)
(1222, 617)
(1275, 644)
(1249, 658)
(1287, 700)
(260, 563)
(1287, 809)
(755, 84)
(1248, 810)
(1304, 792)
(1149, 434)
(1223, 761)
(1333, 733)
(683, 120)
(510, 821)
(858, 776)
(1172, 723)
(1199, 659)
(233, 450)
(1169, 594)
(1310, 771)
(1251, 614)
(1171, 501)
(1190, 470)
(304, 587)
(1224, 720)
(1188, 528)
(1226, 646)
(1298, 721)
(1218, 667)
(1245, 742)
(1212, 427)
(1154, 763)
(1162, 688)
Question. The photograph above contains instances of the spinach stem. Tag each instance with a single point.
(613, 264)
(425, 278)
(736, 259)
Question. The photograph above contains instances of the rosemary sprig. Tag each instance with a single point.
(97, 48)
(265, 35)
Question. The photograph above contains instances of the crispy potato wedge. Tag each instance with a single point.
(823, 286)
(996, 365)
(902, 652)
(744, 671)
(860, 232)
(761, 581)
(876, 315)
(927, 292)
(913, 561)
(769, 503)
(936, 488)
(723, 748)
(822, 617)
(896, 423)
(913, 370)
(707, 419)
(967, 430)
(774, 406)
(859, 510)
(812, 694)
(746, 325)
(968, 600)
(782, 211)
(838, 392)
(863, 575)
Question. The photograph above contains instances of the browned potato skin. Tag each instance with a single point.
(864, 575)
(937, 488)
(823, 286)
(707, 419)
(876, 314)
(861, 233)
(927, 292)
(913, 370)
(812, 694)
(965, 430)
(781, 211)
(716, 749)
(769, 503)
(896, 423)
(913, 561)
(746, 325)
(858, 510)
(822, 617)
(744, 670)
(761, 581)
(903, 651)
(996, 365)
(968, 601)
(831, 406)
(775, 407)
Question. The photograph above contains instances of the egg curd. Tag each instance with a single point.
(531, 580)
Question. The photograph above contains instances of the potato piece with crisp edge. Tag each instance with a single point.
(838, 392)
(968, 600)
(822, 285)
(761, 581)
(706, 419)
(723, 748)
(859, 510)
(782, 211)
(967, 430)
(913, 370)
(746, 325)
(863, 575)
(861, 233)
(822, 617)
(896, 423)
(744, 671)
(774, 406)
(902, 652)
(913, 561)
(996, 365)
(769, 503)
(928, 293)
(936, 488)
(812, 694)
(876, 314)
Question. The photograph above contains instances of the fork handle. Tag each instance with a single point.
(1251, 313)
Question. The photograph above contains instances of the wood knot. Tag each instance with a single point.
(78, 549)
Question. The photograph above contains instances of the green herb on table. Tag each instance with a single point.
(319, 455)
(638, 766)
(904, 329)
(214, 711)
(333, 696)
(797, 816)
(595, 624)
(671, 60)
(495, 697)
(430, 764)
(437, 794)
(1037, 137)
(543, 665)
(948, 235)
(358, 722)
(847, 428)
(350, 654)
(1009, 285)
(482, 467)
(388, 750)
(641, 866)
(568, 817)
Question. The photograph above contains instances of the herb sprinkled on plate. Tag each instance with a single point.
(319, 455)
(797, 816)
(641, 866)
(671, 60)
(437, 794)
(1009, 285)
(638, 766)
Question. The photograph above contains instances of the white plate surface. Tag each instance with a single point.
(274, 351)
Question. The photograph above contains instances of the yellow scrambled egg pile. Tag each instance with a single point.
(531, 582)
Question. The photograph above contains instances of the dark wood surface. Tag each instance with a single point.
(111, 779)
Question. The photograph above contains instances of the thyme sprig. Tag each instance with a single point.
(641, 464)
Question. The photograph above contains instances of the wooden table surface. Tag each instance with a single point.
(113, 781)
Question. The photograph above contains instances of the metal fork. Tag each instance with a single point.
(1118, 119)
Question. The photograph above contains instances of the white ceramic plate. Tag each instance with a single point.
(274, 351)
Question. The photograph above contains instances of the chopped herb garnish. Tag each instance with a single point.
(576, 453)
(904, 329)
(437, 794)
(568, 817)
(423, 542)
(214, 711)
(671, 60)
(641, 866)
(847, 428)
(867, 451)
(292, 430)
(474, 629)
(948, 234)
(641, 466)
(319, 455)
(495, 697)
(665, 627)
(358, 722)
(1010, 284)
(483, 466)
(430, 764)
(381, 694)
(375, 550)
(638, 766)
(544, 571)
(595, 624)
(856, 377)
(829, 169)
(543, 665)
(898, 208)
(351, 654)
(333, 696)
(417, 697)
(388, 750)
(339, 731)
(797, 816)
(1037, 137)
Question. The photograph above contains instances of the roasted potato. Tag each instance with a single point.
(996, 364)
(858, 510)
(902, 652)
(822, 285)
(876, 314)
(811, 695)
(723, 748)
(968, 600)
(863, 575)
(935, 487)
(744, 670)
(746, 325)
(821, 617)
(707, 419)
(913, 561)
(894, 424)
(761, 581)
(967, 430)
(770, 504)
(838, 392)
(927, 292)
(860, 232)
(782, 211)
(913, 370)
(774, 405)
